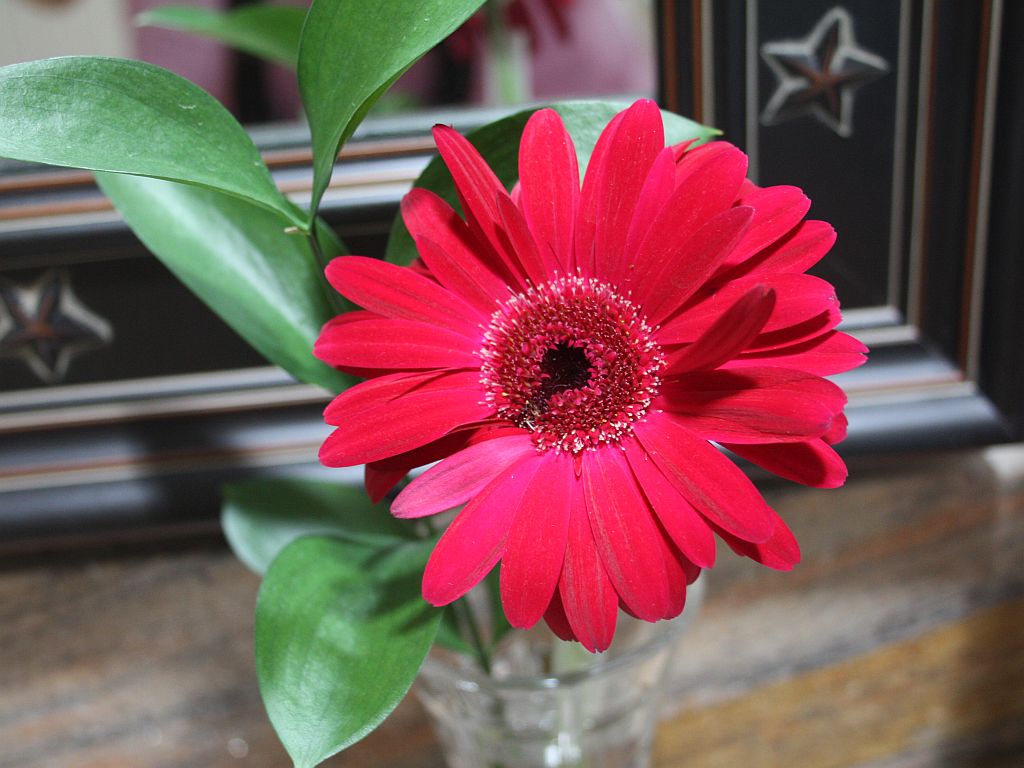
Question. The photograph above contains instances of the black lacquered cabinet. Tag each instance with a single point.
(902, 122)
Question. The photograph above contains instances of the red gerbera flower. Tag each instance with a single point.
(572, 355)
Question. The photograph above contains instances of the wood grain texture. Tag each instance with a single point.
(898, 643)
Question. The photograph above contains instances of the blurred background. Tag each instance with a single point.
(555, 49)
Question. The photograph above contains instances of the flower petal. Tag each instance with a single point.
(588, 596)
(691, 570)
(382, 475)
(780, 551)
(549, 180)
(837, 432)
(687, 529)
(655, 194)
(802, 297)
(396, 413)
(795, 253)
(584, 227)
(680, 149)
(777, 210)
(478, 189)
(379, 481)
(811, 328)
(618, 168)
(556, 619)
(798, 299)
(627, 537)
(475, 540)
(727, 336)
(685, 262)
(389, 343)
(394, 291)
(450, 251)
(521, 240)
(535, 549)
(708, 480)
(755, 405)
(675, 577)
(461, 476)
(480, 288)
(813, 463)
(711, 184)
(832, 352)
(727, 165)
(340, 321)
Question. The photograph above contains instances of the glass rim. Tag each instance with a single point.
(672, 630)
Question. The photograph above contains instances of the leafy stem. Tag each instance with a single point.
(466, 620)
(464, 615)
(321, 261)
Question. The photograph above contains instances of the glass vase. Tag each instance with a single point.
(549, 704)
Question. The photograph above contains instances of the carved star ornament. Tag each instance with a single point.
(45, 325)
(819, 74)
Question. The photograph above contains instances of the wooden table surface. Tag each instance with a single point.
(898, 643)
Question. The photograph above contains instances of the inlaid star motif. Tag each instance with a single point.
(46, 325)
(819, 74)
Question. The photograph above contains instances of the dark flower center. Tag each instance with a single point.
(572, 361)
(563, 367)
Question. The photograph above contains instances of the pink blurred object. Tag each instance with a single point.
(568, 48)
(206, 63)
(576, 48)
(600, 52)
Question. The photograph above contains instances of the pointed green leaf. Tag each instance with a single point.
(340, 638)
(350, 54)
(237, 258)
(261, 517)
(130, 117)
(268, 31)
(498, 142)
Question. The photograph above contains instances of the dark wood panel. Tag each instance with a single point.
(898, 642)
(1002, 365)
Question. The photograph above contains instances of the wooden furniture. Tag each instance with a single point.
(899, 641)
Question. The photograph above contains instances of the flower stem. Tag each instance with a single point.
(466, 620)
(464, 615)
(321, 261)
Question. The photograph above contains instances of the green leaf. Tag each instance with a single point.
(498, 142)
(449, 635)
(261, 517)
(264, 30)
(237, 258)
(130, 117)
(350, 54)
(330, 243)
(339, 641)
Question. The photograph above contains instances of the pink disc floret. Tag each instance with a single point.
(572, 361)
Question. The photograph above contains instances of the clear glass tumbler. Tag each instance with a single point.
(550, 704)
